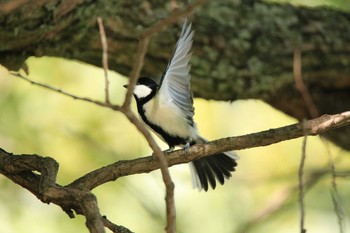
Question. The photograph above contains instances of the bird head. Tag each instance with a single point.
(145, 88)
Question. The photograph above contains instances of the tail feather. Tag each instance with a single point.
(217, 169)
(228, 161)
(212, 168)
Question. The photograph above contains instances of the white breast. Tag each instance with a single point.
(169, 117)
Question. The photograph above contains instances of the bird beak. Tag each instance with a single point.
(126, 85)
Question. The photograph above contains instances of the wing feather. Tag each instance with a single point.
(175, 83)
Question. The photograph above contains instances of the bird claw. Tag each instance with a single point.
(186, 146)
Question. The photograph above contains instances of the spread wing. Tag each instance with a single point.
(175, 83)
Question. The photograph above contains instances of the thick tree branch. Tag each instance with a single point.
(19, 168)
(242, 49)
(147, 164)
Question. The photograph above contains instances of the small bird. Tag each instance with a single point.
(167, 109)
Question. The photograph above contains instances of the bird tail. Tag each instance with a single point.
(210, 169)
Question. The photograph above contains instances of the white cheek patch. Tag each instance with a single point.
(142, 91)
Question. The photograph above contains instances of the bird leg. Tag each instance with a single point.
(186, 146)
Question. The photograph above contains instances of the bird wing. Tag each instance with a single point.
(175, 82)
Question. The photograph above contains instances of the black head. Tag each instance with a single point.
(147, 82)
(145, 89)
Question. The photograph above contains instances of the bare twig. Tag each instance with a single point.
(114, 227)
(301, 186)
(135, 73)
(337, 206)
(136, 70)
(65, 93)
(104, 57)
(334, 191)
(313, 111)
(301, 86)
(264, 138)
(163, 165)
(297, 73)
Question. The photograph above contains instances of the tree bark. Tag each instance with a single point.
(242, 50)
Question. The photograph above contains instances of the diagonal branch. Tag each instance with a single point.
(135, 73)
(147, 164)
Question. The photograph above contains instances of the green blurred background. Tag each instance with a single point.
(83, 137)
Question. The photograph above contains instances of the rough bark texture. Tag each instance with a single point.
(242, 49)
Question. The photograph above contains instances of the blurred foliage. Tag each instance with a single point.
(83, 137)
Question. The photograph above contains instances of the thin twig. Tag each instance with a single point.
(301, 186)
(135, 73)
(313, 111)
(136, 70)
(114, 227)
(315, 126)
(337, 206)
(104, 56)
(334, 191)
(65, 93)
(163, 165)
(311, 107)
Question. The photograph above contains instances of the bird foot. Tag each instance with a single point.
(186, 147)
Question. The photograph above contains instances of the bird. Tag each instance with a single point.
(167, 109)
